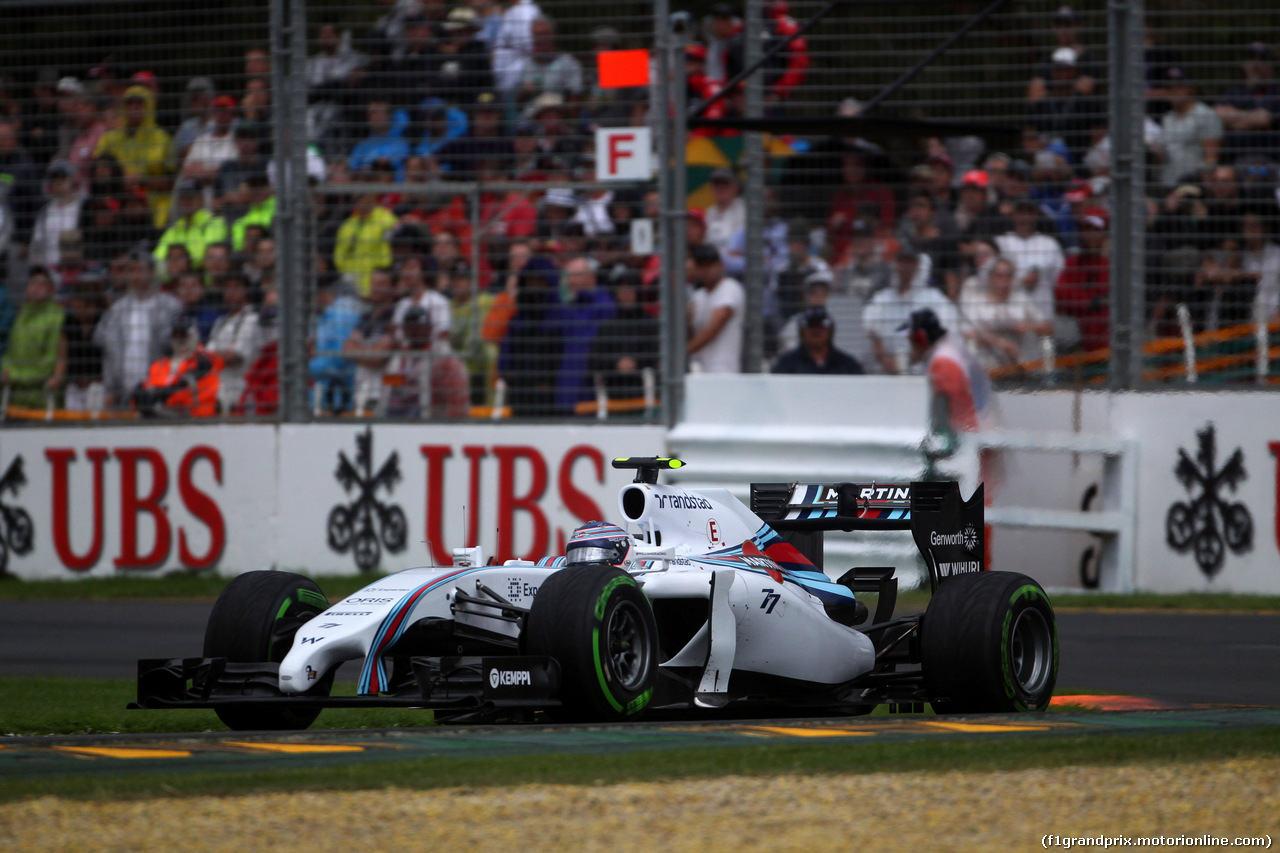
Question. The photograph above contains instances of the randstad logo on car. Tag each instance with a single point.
(510, 678)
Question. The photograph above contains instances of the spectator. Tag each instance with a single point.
(817, 294)
(1037, 257)
(1067, 115)
(385, 140)
(408, 76)
(1084, 288)
(176, 261)
(362, 243)
(235, 338)
(892, 306)
(215, 145)
(261, 265)
(196, 302)
(463, 156)
(724, 44)
(1223, 292)
(426, 382)
(195, 228)
(626, 344)
(184, 383)
(488, 22)
(816, 354)
(468, 310)
(514, 45)
(369, 344)
(441, 125)
(859, 196)
(217, 261)
(462, 68)
(135, 329)
(1223, 202)
(231, 185)
(1001, 321)
(531, 349)
(548, 70)
(83, 130)
(19, 189)
(60, 215)
(35, 362)
(715, 314)
(331, 72)
(932, 234)
(143, 149)
(331, 373)
(788, 69)
(1260, 258)
(84, 392)
(728, 214)
(419, 292)
(1191, 131)
(553, 132)
(197, 110)
(585, 308)
(40, 124)
(261, 213)
(1249, 113)
(1066, 34)
(261, 395)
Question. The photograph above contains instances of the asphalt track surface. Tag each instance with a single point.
(1176, 658)
(1193, 670)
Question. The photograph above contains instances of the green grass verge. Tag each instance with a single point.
(181, 585)
(68, 706)
(981, 755)
(178, 585)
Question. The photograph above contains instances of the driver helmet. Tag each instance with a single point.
(599, 543)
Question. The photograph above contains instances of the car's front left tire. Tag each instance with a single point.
(254, 620)
(599, 626)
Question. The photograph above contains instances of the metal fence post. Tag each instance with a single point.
(1128, 273)
(289, 119)
(753, 190)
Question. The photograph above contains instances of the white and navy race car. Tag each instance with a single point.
(696, 604)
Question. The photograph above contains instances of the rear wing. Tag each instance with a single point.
(947, 529)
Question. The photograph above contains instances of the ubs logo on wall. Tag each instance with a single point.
(16, 530)
(365, 525)
(1207, 523)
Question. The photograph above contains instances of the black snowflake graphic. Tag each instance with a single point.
(16, 530)
(365, 526)
(1208, 524)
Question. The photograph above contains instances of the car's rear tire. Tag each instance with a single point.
(599, 626)
(255, 620)
(989, 644)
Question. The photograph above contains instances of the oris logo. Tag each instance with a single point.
(509, 678)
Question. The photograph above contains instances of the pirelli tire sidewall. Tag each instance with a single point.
(989, 644)
(599, 626)
(255, 620)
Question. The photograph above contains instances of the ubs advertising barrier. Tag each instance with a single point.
(324, 499)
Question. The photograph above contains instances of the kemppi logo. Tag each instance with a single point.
(509, 678)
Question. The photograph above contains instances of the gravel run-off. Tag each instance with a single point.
(870, 812)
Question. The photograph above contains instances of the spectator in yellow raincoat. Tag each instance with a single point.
(364, 241)
(144, 150)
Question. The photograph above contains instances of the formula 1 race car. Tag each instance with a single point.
(696, 605)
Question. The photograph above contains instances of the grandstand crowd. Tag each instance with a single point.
(150, 262)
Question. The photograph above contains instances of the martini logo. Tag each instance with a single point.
(16, 531)
(366, 525)
(1207, 524)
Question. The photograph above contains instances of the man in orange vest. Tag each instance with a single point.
(185, 383)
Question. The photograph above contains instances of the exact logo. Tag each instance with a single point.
(509, 678)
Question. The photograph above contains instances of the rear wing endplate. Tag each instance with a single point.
(948, 530)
